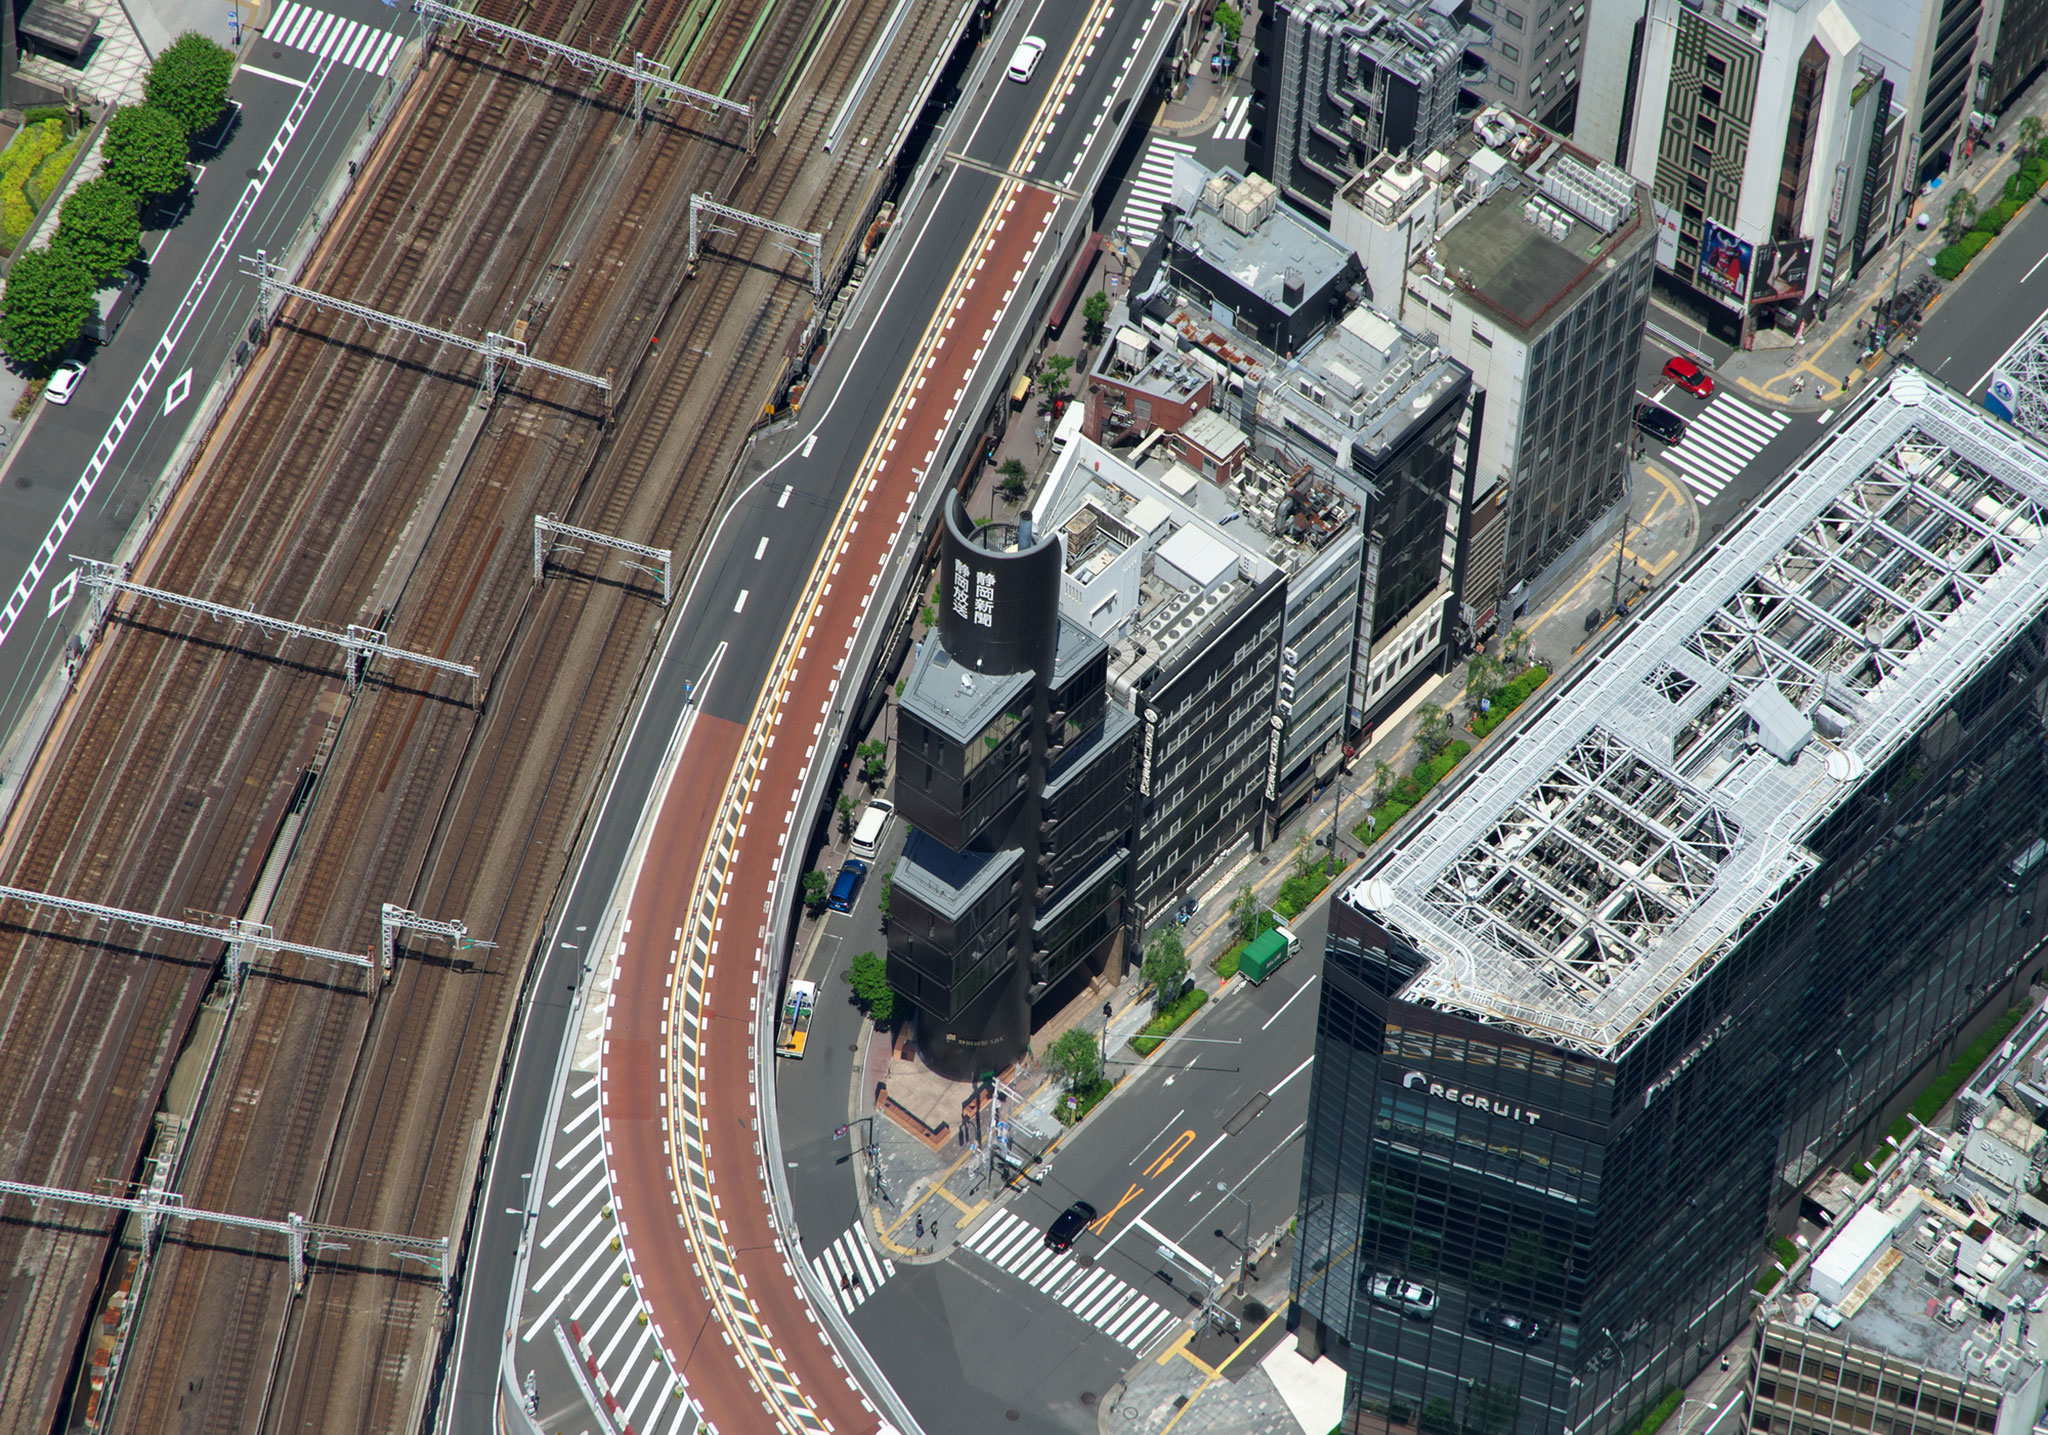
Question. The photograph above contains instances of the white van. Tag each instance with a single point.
(1068, 428)
(867, 835)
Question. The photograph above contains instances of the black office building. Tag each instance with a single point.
(1014, 772)
(1588, 1025)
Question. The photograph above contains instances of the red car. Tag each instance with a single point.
(1690, 377)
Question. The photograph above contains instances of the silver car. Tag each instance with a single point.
(1404, 1296)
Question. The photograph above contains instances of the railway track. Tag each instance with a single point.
(414, 782)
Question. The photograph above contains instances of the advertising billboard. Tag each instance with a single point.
(1724, 263)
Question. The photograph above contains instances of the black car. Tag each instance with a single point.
(1067, 1225)
(1660, 423)
(1506, 1324)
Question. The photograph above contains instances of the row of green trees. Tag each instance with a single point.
(1969, 229)
(50, 290)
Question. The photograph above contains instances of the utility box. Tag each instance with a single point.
(1265, 954)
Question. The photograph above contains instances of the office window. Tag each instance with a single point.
(1509, 52)
(1716, 66)
(1514, 20)
(1702, 156)
(1537, 53)
(1710, 95)
(1507, 86)
(1703, 126)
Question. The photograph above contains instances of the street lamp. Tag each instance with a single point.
(1244, 1249)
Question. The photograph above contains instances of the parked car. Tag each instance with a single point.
(64, 383)
(846, 886)
(1068, 1224)
(1660, 423)
(1404, 1296)
(1505, 1324)
(1690, 377)
(1024, 64)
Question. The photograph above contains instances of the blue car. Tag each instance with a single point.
(846, 886)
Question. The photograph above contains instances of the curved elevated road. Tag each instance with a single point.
(720, 765)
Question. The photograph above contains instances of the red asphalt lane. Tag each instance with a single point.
(637, 1052)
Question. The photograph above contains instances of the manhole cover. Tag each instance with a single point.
(277, 54)
(1087, 1397)
(24, 482)
(1012, 1416)
(252, 174)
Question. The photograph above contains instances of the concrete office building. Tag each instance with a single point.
(1777, 138)
(1192, 615)
(1014, 774)
(1918, 1313)
(1335, 83)
(1612, 999)
(1362, 408)
(1529, 262)
(1262, 270)
(1532, 56)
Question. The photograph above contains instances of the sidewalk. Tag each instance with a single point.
(1828, 361)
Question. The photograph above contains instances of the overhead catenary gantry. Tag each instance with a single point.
(498, 350)
(813, 244)
(244, 939)
(108, 581)
(544, 528)
(645, 74)
(396, 919)
(156, 1207)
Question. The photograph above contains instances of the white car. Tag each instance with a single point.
(1024, 64)
(64, 383)
(1405, 1296)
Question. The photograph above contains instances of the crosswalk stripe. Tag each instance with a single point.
(384, 53)
(1737, 406)
(355, 49)
(317, 35)
(281, 23)
(1129, 1325)
(303, 19)
(1705, 490)
(1754, 430)
(1084, 1294)
(1719, 467)
(1176, 145)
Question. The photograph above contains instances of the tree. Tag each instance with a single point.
(1960, 215)
(1382, 781)
(845, 806)
(189, 81)
(1244, 913)
(49, 295)
(1432, 728)
(99, 224)
(869, 976)
(1230, 22)
(144, 151)
(2026, 138)
(1013, 479)
(874, 762)
(1482, 676)
(882, 901)
(1166, 966)
(1052, 378)
(1094, 313)
(1075, 1059)
(817, 887)
(1515, 648)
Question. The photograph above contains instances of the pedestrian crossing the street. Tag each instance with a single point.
(320, 34)
(1150, 192)
(1720, 441)
(1237, 119)
(851, 1269)
(1091, 1293)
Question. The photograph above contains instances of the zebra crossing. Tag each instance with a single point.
(1150, 192)
(1237, 119)
(320, 34)
(1094, 1295)
(577, 1279)
(1720, 441)
(851, 1269)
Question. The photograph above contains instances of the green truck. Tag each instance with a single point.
(1265, 952)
